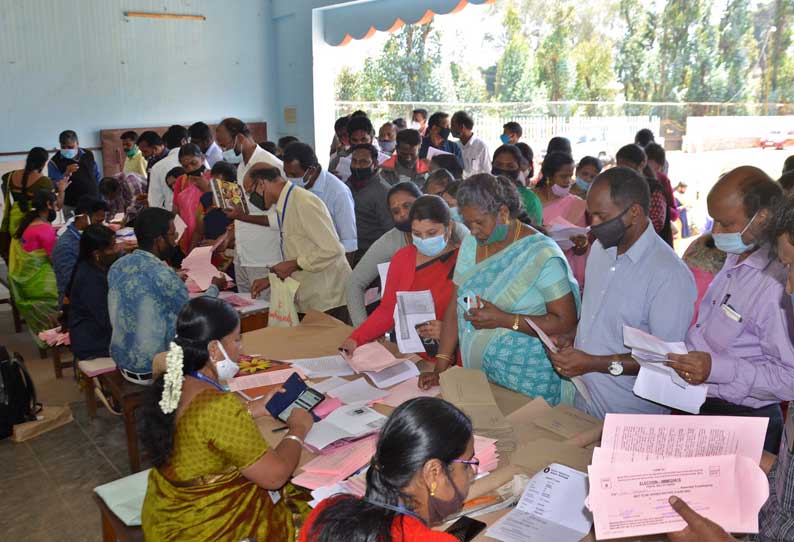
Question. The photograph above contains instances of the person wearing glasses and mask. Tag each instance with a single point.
(740, 344)
(634, 278)
(421, 472)
(506, 273)
(304, 170)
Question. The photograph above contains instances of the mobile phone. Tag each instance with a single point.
(307, 400)
(466, 528)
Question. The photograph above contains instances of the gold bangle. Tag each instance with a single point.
(444, 357)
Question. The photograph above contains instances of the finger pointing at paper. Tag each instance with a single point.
(699, 529)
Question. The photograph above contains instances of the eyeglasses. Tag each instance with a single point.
(474, 463)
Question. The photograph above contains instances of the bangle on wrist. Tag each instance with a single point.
(444, 357)
(295, 438)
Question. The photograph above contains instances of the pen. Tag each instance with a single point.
(280, 429)
(725, 301)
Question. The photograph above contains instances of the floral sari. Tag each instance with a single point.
(520, 279)
(202, 495)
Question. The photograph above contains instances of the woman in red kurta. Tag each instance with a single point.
(420, 474)
(428, 263)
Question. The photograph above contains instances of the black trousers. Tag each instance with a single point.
(774, 432)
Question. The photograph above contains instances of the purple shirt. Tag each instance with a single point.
(752, 361)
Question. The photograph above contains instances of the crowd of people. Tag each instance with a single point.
(448, 217)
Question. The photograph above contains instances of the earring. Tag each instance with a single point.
(433, 489)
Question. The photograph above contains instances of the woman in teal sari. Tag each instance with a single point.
(30, 275)
(506, 272)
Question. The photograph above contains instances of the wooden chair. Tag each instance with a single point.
(59, 364)
(113, 529)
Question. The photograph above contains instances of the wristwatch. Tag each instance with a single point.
(516, 322)
(615, 368)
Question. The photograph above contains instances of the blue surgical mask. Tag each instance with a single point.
(432, 246)
(583, 185)
(69, 154)
(387, 146)
(297, 181)
(504, 138)
(732, 243)
(454, 214)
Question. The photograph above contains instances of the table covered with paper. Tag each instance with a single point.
(535, 459)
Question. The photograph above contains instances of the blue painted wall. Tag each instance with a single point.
(82, 65)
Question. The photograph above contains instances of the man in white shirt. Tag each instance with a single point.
(160, 194)
(304, 170)
(201, 135)
(476, 155)
(256, 234)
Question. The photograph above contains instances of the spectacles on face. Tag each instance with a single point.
(473, 463)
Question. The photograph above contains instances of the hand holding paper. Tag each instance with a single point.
(198, 265)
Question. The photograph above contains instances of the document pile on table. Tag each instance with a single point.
(468, 389)
(656, 381)
(551, 508)
(347, 423)
(710, 462)
(485, 451)
(338, 464)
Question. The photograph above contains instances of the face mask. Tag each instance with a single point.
(388, 146)
(226, 367)
(69, 154)
(439, 509)
(611, 232)
(432, 246)
(415, 126)
(511, 174)
(582, 184)
(560, 191)
(257, 200)
(404, 226)
(361, 173)
(732, 243)
(130, 153)
(51, 215)
(454, 214)
(443, 133)
(498, 234)
(231, 155)
(505, 139)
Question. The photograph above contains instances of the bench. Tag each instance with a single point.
(113, 529)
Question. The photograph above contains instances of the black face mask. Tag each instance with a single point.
(51, 215)
(196, 172)
(257, 200)
(404, 226)
(443, 133)
(611, 232)
(361, 173)
(511, 174)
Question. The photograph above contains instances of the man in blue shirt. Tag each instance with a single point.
(303, 169)
(78, 166)
(145, 296)
(437, 136)
(89, 211)
(634, 278)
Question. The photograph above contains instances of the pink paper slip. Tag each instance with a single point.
(198, 265)
(237, 301)
(259, 380)
(631, 499)
(328, 405)
(407, 390)
(344, 461)
(372, 357)
(316, 480)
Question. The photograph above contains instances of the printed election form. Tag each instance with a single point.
(412, 309)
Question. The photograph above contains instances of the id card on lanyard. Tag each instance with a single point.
(281, 217)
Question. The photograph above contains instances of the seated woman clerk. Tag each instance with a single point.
(85, 304)
(420, 474)
(426, 264)
(506, 273)
(214, 477)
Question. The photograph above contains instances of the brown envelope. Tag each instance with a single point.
(317, 335)
(539, 454)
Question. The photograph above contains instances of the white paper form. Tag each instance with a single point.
(323, 366)
(345, 422)
(650, 437)
(383, 272)
(581, 387)
(343, 168)
(561, 231)
(412, 309)
(551, 508)
(433, 152)
(327, 385)
(650, 349)
(654, 383)
(357, 391)
(393, 375)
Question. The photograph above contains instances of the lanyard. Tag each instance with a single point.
(398, 509)
(199, 376)
(281, 218)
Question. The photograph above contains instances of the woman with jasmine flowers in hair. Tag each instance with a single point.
(214, 476)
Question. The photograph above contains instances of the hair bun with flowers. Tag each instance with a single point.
(174, 377)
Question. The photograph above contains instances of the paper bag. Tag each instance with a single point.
(282, 302)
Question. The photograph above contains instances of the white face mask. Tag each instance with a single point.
(231, 155)
(415, 125)
(226, 368)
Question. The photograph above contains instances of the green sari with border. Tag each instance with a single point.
(510, 279)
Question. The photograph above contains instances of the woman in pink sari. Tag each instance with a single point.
(560, 207)
(188, 190)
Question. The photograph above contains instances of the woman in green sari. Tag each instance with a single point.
(506, 272)
(30, 275)
(215, 477)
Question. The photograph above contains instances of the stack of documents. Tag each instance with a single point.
(411, 310)
(551, 509)
(561, 231)
(393, 375)
(323, 366)
(656, 381)
(408, 390)
(710, 462)
(468, 389)
(357, 392)
(485, 452)
(349, 423)
(331, 468)
(371, 357)
(355, 485)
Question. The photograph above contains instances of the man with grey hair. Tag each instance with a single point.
(634, 278)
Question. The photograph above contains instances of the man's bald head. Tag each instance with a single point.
(746, 186)
(259, 172)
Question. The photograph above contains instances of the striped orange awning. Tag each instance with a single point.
(360, 21)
